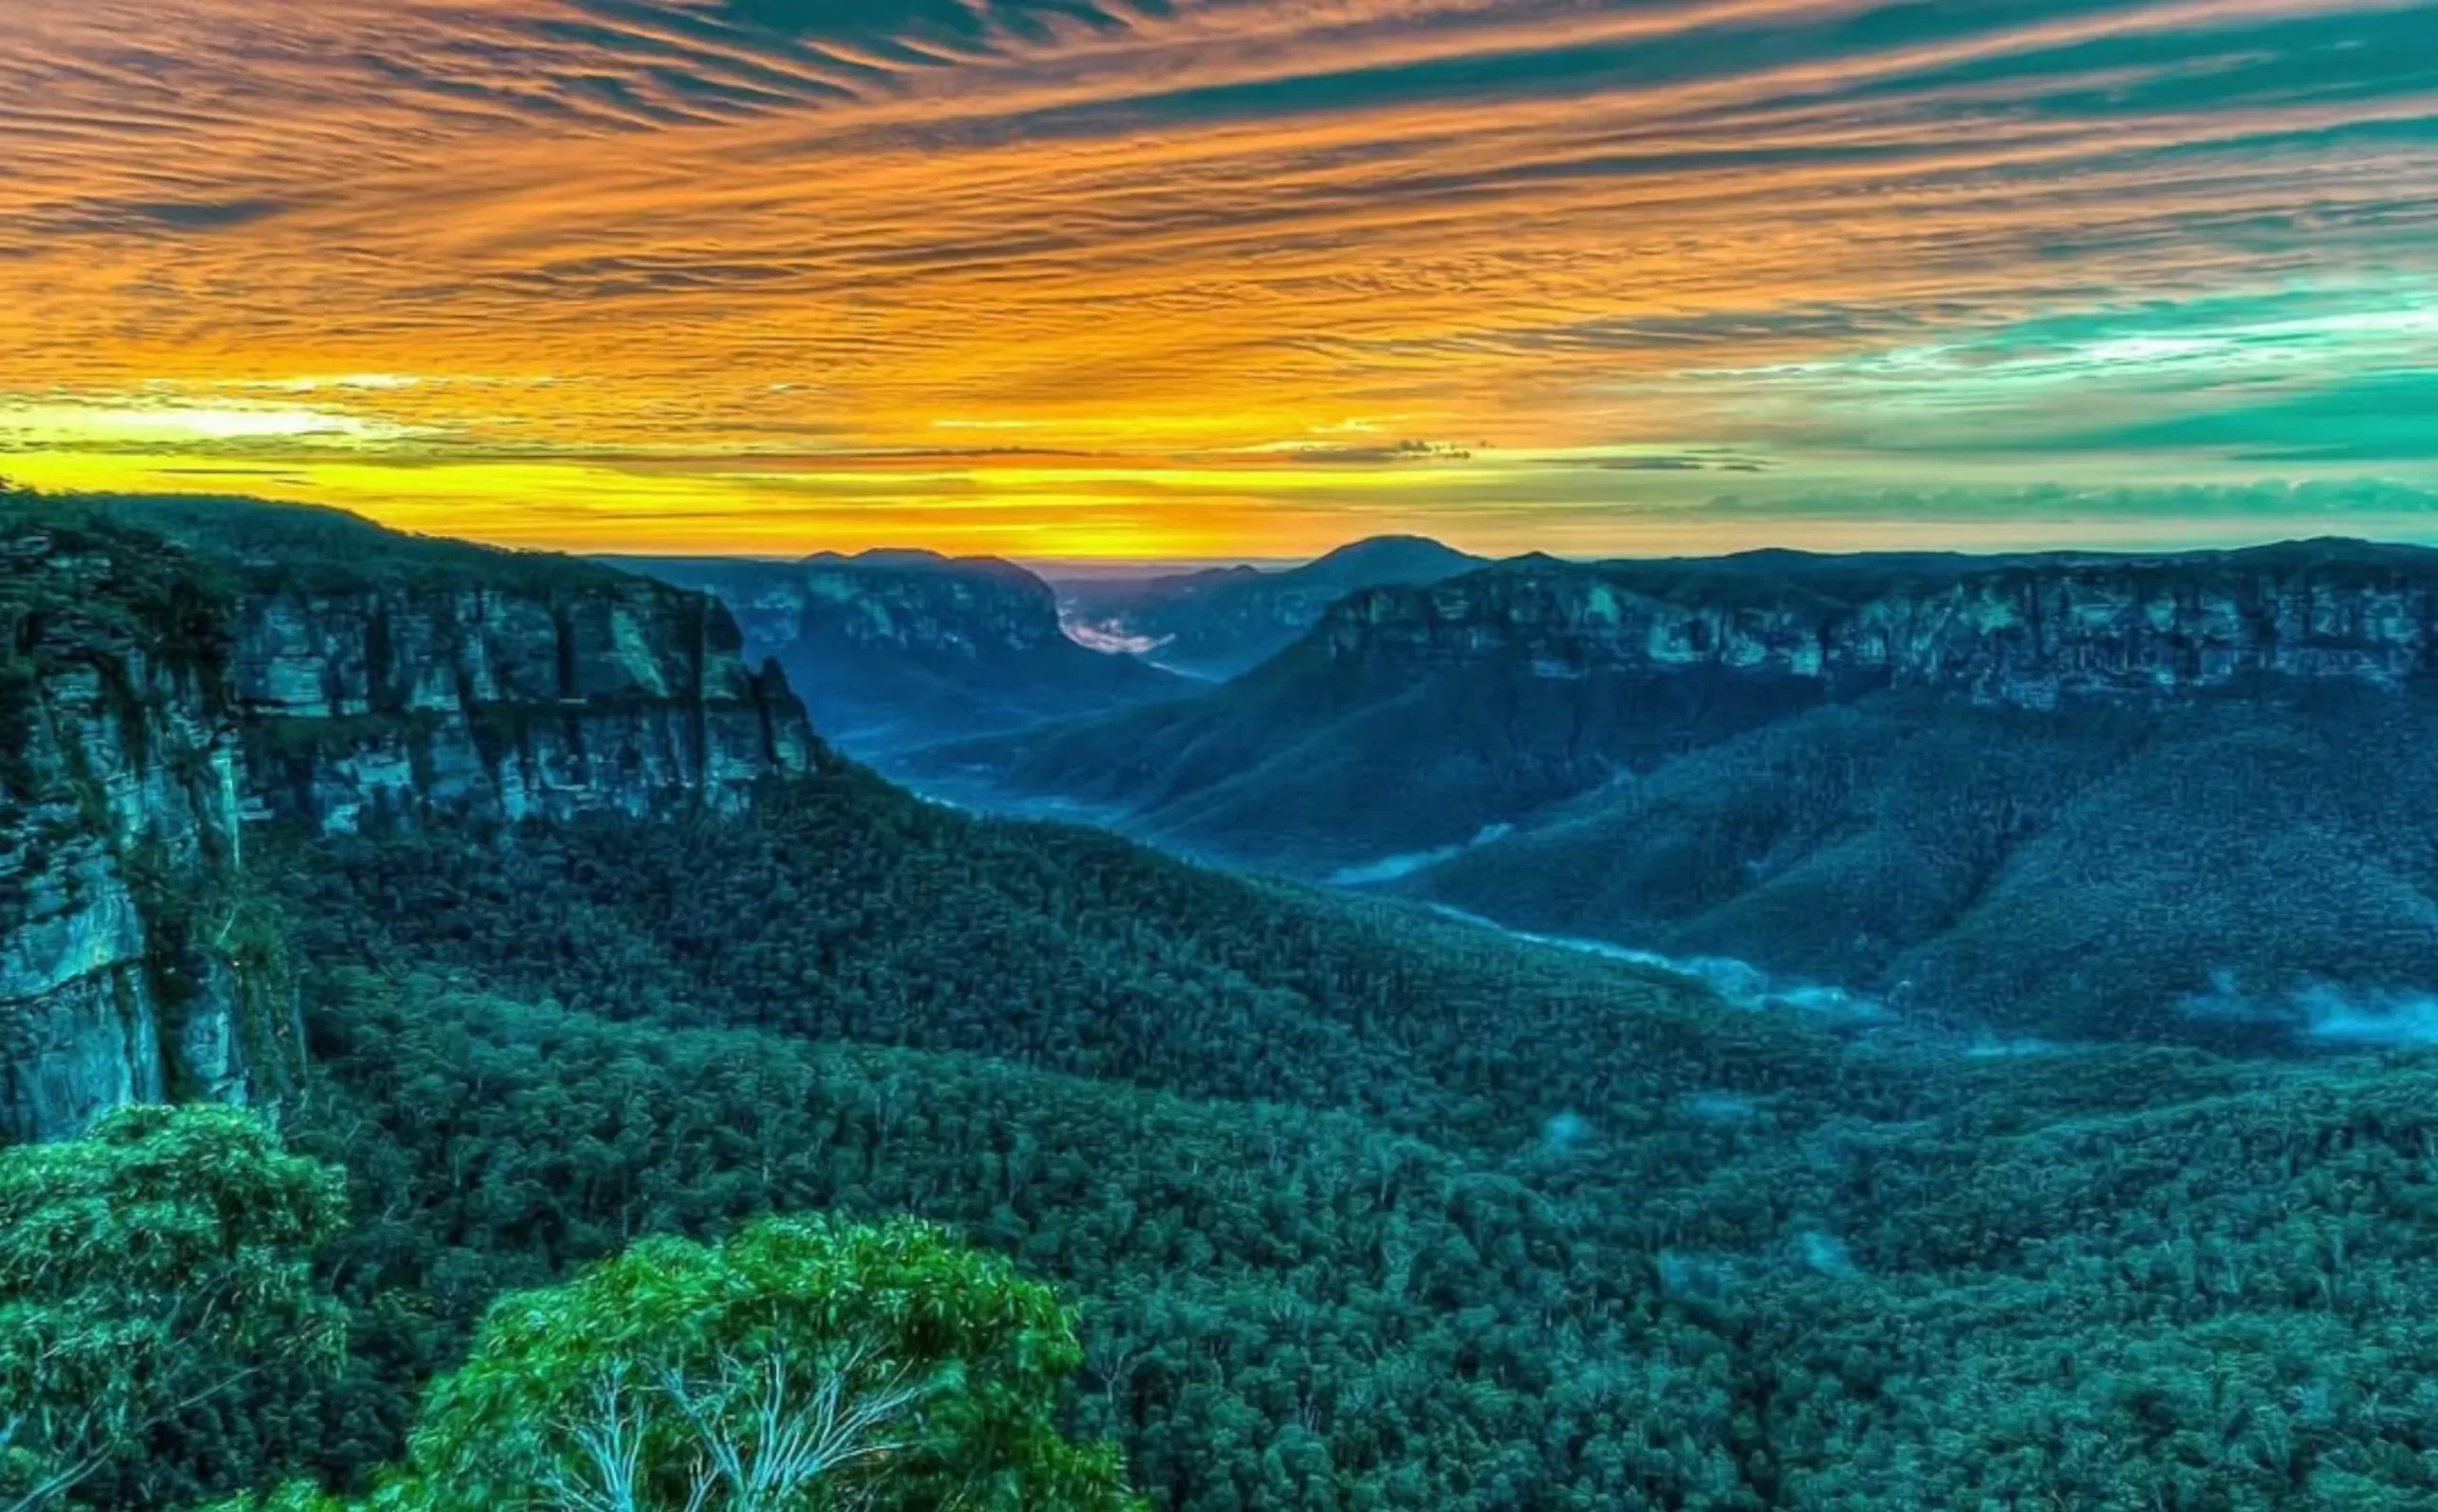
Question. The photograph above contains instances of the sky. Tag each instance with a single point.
(1201, 278)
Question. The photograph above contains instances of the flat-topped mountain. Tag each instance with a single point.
(1223, 621)
(174, 669)
(1882, 771)
(2025, 632)
(897, 649)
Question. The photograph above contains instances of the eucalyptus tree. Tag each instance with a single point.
(160, 1262)
(803, 1364)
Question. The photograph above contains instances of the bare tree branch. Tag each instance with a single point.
(107, 1439)
(610, 1443)
(763, 1444)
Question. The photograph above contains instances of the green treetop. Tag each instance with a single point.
(144, 1270)
(803, 1364)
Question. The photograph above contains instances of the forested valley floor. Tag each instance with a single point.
(1363, 1208)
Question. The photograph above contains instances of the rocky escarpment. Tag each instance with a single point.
(976, 608)
(895, 650)
(2028, 632)
(173, 673)
(126, 972)
(1416, 719)
(2176, 797)
(604, 692)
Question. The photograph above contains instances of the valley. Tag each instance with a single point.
(900, 649)
(1218, 756)
(1219, 623)
(2024, 795)
(552, 924)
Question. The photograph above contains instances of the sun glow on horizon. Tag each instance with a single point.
(1228, 279)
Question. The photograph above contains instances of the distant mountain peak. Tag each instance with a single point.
(881, 556)
(1391, 539)
(1223, 621)
(1393, 552)
(921, 560)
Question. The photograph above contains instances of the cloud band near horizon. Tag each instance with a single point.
(1197, 277)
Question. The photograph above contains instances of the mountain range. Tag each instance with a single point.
(1222, 621)
(521, 895)
(2027, 792)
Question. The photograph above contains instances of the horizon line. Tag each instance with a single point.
(1057, 568)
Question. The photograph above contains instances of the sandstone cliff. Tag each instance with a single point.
(896, 649)
(2028, 633)
(118, 982)
(1412, 718)
(173, 673)
(606, 693)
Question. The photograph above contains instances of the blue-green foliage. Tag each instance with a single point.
(148, 1273)
(1291, 1156)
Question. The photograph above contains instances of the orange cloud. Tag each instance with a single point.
(598, 274)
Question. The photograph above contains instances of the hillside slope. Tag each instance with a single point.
(2027, 790)
(1362, 1208)
(2235, 872)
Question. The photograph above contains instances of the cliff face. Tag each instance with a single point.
(2037, 635)
(156, 695)
(2184, 798)
(975, 608)
(120, 975)
(2027, 633)
(980, 608)
(1415, 719)
(613, 693)
(895, 650)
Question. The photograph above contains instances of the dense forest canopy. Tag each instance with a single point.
(1502, 1228)
(1288, 1198)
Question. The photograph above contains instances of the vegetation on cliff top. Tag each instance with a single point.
(80, 590)
(306, 549)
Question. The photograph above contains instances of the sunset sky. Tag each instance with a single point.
(1197, 278)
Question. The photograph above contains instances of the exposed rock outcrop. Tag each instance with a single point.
(896, 649)
(122, 972)
(606, 694)
(1414, 717)
(172, 672)
(2028, 632)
